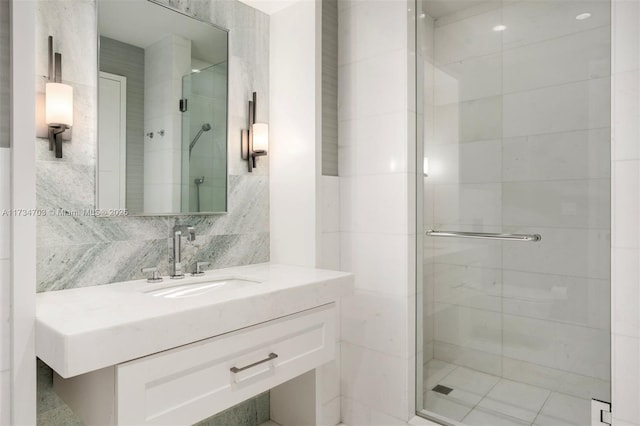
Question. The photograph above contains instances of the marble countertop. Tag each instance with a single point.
(84, 329)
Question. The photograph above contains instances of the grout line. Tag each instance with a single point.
(502, 49)
(528, 272)
(502, 94)
(543, 405)
(522, 181)
(516, 315)
(509, 140)
(532, 227)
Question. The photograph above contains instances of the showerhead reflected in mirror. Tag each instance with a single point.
(205, 128)
(162, 131)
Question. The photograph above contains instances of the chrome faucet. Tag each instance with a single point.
(176, 255)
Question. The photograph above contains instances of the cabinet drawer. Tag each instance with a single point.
(187, 384)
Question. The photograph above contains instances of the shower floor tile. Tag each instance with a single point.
(481, 417)
(516, 400)
(446, 405)
(561, 409)
(435, 371)
(478, 399)
(470, 381)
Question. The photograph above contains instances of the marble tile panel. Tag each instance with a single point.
(78, 47)
(71, 266)
(65, 186)
(198, 9)
(248, 209)
(61, 415)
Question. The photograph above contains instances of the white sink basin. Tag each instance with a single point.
(179, 290)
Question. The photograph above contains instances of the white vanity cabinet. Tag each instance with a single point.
(184, 385)
(131, 353)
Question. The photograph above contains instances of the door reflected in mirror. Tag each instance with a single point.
(162, 113)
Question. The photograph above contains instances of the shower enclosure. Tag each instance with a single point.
(514, 142)
(204, 139)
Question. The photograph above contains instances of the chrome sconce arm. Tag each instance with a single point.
(255, 138)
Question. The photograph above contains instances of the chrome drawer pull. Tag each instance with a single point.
(246, 367)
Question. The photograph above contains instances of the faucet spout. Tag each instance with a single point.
(176, 255)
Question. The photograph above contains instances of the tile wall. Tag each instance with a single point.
(5, 278)
(377, 208)
(165, 62)
(5, 221)
(625, 257)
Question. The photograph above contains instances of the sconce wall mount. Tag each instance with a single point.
(255, 139)
(59, 102)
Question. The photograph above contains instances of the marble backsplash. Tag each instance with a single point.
(78, 250)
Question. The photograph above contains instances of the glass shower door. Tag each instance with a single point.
(204, 139)
(514, 122)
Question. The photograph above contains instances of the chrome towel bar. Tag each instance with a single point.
(485, 235)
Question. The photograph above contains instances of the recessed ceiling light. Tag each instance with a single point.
(583, 16)
(195, 70)
(423, 15)
(499, 28)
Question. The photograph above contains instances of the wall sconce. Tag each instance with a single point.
(255, 140)
(58, 103)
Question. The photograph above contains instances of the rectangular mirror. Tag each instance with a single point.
(162, 113)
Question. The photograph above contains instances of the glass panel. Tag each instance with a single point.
(514, 119)
(204, 139)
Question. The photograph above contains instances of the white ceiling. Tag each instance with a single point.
(271, 6)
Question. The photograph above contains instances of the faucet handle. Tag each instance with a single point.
(155, 275)
(199, 265)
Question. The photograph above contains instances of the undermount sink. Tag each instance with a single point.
(183, 290)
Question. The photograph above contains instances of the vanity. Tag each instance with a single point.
(176, 145)
(174, 353)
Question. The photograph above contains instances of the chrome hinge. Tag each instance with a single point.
(183, 105)
(600, 413)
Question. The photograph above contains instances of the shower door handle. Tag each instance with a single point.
(485, 235)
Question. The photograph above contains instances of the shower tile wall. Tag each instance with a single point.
(208, 100)
(377, 176)
(165, 62)
(517, 136)
(5, 221)
(5, 273)
(626, 213)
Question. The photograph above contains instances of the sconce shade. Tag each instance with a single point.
(260, 137)
(59, 104)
